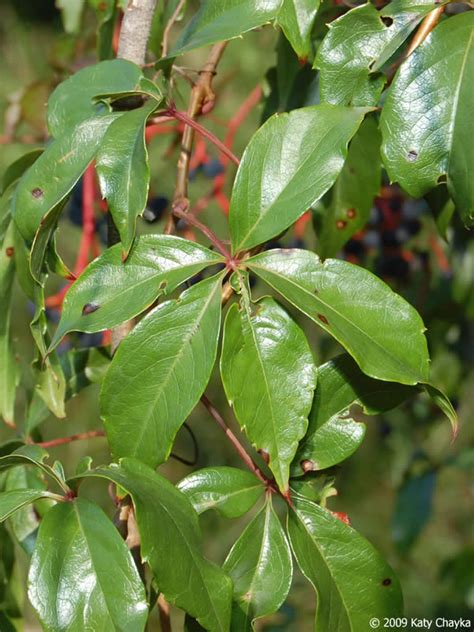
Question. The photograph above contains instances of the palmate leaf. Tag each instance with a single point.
(352, 581)
(345, 209)
(296, 18)
(82, 575)
(332, 434)
(269, 377)
(261, 568)
(160, 371)
(427, 122)
(223, 20)
(171, 544)
(379, 328)
(291, 161)
(111, 291)
(358, 44)
(123, 170)
(230, 491)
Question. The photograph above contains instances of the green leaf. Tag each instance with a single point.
(427, 122)
(24, 523)
(332, 434)
(123, 170)
(72, 102)
(261, 568)
(160, 371)
(9, 370)
(346, 208)
(353, 583)
(273, 188)
(71, 13)
(54, 174)
(30, 455)
(379, 328)
(296, 18)
(269, 377)
(229, 490)
(106, 14)
(82, 575)
(217, 21)
(171, 544)
(358, 44)
(14, 500)
(14, 171)
(111, 291)
(443, 403)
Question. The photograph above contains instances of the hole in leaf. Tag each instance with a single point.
(412, 155)
(442, 178)
(37, 193)
(163, 285)
(387, 21)
(323, 319)
(387, 581)
(89, 308)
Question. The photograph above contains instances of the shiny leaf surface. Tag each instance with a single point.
(332, 434)
(82, 575)
(261, 568)
(160, 371)
(56, 171)
(273, 188)
(73, 100)
(352, 581)
(223, 20)
(427, 122)
(269, 377)
(111, 291)
(171, 544)
(123, 170)
(230, 491)
(296, 18)
(358, 44)
(379, 328)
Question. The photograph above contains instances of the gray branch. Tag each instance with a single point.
(135, 30)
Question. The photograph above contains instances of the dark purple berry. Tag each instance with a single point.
(155, 209)
(212, 168)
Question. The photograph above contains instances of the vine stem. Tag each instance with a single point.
(239, 448)
(425, 28)
(202, 97)
(77, 437)
(181, 211)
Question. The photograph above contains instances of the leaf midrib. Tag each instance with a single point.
(332, 310)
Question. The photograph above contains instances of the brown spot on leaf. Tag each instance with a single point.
(340, 224)
(412, 155)
(387, 581)
(307, 465)
(323, 319)
(351, 213)
(37, 193)
(9, 251)
(89, 308)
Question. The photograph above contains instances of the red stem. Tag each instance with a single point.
(239, 448)
(184, 118)
(77, 437)
(205, 230)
